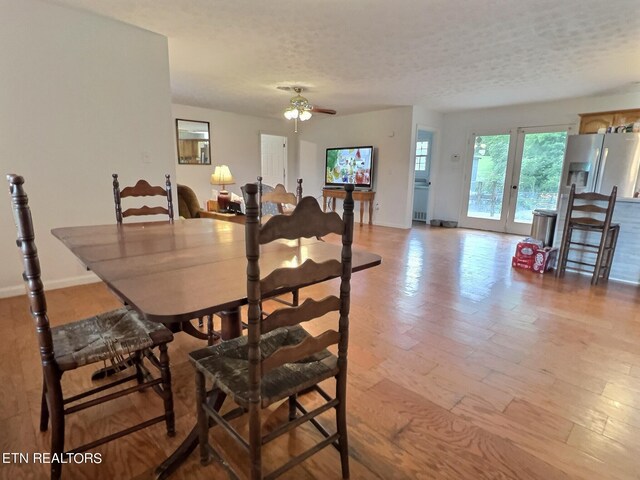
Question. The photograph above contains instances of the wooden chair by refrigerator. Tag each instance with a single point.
(588, 232)
(278, 358)
(114, 336)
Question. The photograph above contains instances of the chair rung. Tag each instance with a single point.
(302, 457)
(581, 263)
(585, 244)
(298, 421)
(221, 460)
(113, 436)
(99, 389)
(111, 396)
(222, 421)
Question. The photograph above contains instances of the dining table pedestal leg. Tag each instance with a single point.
(231, 328)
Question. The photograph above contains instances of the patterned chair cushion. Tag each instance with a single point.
(268, 208)
(109, 335)
(226, 365)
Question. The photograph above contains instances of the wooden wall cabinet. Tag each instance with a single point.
(591, 122)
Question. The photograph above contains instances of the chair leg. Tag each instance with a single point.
(612, 251)
(211, 336)
(255, 442)
(600, 258)
(167, 394)
(292, 407)
(203, 419)
(44, 409)
(341, 423)
(56, 404)
(137, 360)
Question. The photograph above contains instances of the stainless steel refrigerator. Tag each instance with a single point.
(597, 162)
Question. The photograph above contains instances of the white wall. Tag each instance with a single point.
(390, 131)
(450, 183)
(81, 97)
(235, 141)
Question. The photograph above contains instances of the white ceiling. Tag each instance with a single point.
(363, 55)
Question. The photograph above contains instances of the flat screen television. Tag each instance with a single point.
(349, 165)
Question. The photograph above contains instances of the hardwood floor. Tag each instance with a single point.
(460, 368)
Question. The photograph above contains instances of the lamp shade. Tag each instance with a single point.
(222, 176)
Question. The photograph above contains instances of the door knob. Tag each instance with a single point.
(515, 187)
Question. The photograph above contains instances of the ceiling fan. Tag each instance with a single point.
(299, 107)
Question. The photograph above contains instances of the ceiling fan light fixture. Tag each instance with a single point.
(305, 115)
(291, 113)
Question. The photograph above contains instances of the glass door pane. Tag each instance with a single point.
(540, 171)
(486, 189)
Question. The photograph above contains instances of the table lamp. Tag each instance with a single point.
(222, 176)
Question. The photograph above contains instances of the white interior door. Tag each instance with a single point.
(273, 154)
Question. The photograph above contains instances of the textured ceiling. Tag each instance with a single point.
(362, 55)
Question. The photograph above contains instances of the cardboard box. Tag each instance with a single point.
(532, 256)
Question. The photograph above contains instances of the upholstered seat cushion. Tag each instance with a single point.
(105, 336)
(268, 208)
(227, 367)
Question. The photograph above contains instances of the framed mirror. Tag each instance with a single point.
(192, 138)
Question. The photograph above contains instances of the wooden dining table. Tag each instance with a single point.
(175, 272)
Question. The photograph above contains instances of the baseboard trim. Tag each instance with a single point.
(384, 224)
(16, 290)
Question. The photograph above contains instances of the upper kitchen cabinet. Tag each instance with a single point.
(591, 122)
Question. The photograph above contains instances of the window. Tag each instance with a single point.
(422, 150)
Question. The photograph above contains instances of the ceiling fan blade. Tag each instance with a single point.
(322, 110)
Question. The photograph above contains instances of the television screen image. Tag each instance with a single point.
(352, 165)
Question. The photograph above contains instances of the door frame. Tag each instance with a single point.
(485, 223)
(435, 149)
(511, 226)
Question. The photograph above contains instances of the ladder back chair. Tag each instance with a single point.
(589, 215)
(279, 196)
(142, 188)
(278, 358)
(110, 336)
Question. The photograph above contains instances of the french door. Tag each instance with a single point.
(510, 174)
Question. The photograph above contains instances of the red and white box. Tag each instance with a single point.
(531, 255)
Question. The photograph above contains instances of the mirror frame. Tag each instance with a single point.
(182, 157)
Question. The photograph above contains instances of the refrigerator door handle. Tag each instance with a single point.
(601, 167)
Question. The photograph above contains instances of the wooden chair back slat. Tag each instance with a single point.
(279, 196)
(587, 221)
(142, 188)
(308, 272)
(589, 208)
(144, 210)
(304, 349)
(307, 221)
(310, 309)
(592, 196)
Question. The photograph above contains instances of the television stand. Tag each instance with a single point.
(362, 196)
